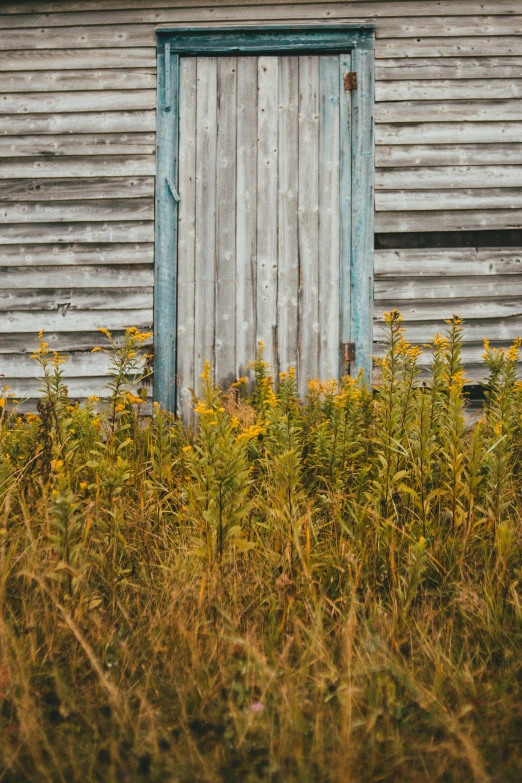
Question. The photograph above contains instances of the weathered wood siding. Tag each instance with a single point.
(260, 179)
(77, 164)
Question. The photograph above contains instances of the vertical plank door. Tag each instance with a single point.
(264, 183)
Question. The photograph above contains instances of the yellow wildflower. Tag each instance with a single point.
(393, 317)
(187, 449)
(95, 350)
(440, 341)
(251, 432)
(105, 331)
(512, 352)
(83, 485)
(413, 351)
(314, 386)
(131, 399)
(142, 336)
(330, 387)
(58, 359)
(202, 409)
(2, 402)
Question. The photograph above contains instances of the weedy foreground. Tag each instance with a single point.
(316, 591)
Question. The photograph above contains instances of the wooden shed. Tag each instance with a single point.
(226, 172)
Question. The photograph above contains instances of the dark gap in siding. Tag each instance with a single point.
(475, 394)
(449, 239)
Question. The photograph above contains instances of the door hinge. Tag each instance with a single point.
(350, 81)
(348, 350)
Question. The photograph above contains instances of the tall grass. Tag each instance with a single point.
(326, 590)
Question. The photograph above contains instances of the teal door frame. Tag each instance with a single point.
(356, 206)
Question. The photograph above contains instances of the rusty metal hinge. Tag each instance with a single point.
(350, 81)
(348, 350)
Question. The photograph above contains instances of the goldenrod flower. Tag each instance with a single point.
(251, 432)
(512, 352)
(142, 336)
(202, 409)
(314, 386)
(271, 397)
(330, 387)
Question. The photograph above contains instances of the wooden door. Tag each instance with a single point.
(264, 171)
